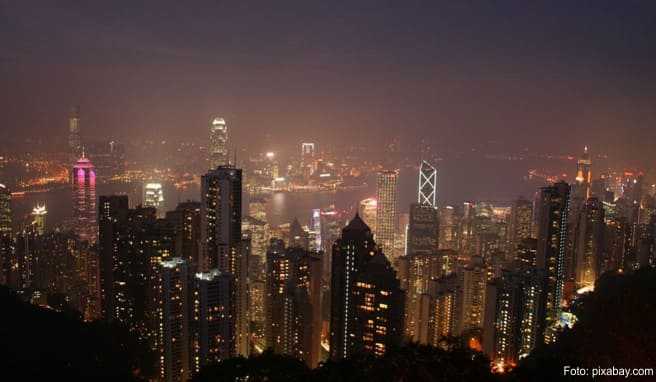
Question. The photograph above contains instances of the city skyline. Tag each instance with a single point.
(413, 191)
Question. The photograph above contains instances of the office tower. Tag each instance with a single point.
(423, 230)
(589, 243)
(7, 259)
(521, 221)
(513, 325)
(367, 211)
(427, 189)
(39, 218)
(583, 176)
(172, 312)
(222, 244)
(423, 259)
(293, 302)
(153, 195)
(74, 140)
(186, 222)
(386, 211)
(367, 302)
(218, 145)
(315, 230)
(84, 200)
(553, 209)
(297, 236)
(307, 150)
(212, 319)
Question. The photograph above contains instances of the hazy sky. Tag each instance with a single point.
(536, 74)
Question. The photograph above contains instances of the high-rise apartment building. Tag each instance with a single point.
(293, 302)
(552, 245)
(367, 302)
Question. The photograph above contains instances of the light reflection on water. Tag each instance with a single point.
(458, 180)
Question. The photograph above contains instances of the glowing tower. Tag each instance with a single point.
(84, 200)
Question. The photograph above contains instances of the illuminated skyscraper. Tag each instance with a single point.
(423, 260)
(220, 217)
(222, 244)
(293, 302)
(553, 210)
(218, 147)
(153, 195)
(589, 243)
(583, 175)
(39, 218)
(84, 200)
(186, 222)
(6, 242)
(307, 150)
(172, 313)
(367, 302)
(74, 140)
(521, 221)
(212, 319)
(386, 210)
(5, 210)
(513, 325)
(427, 190)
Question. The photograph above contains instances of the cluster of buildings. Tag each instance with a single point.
(202, 283)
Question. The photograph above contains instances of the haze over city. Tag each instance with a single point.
(330, 191)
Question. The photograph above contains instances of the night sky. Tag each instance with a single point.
(549, 75)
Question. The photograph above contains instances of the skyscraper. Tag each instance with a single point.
(213, 318)
(153, 195)
(427, 189)
(6, 242)
(386, 210)
(172, 313)
(513, 325)
(5, 210)
(583, 175)
(186, 222)
(222, 244)
(220, 218)
(84, 200)
(521, 221)
(39, 218)
(74, 140)
(423, 259)
(589, 243)
(367, 302)
(552, 244)
(293, 302)
(218, 146)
